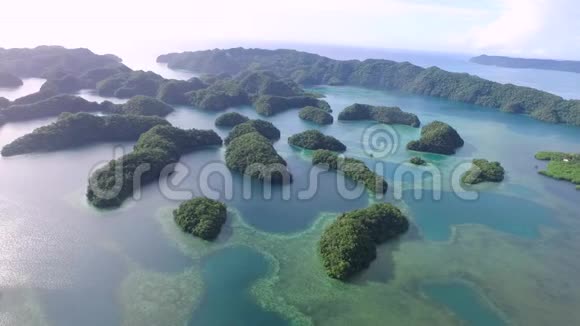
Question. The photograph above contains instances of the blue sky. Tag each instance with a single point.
(532, 28)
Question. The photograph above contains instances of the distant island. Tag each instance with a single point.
(314, 139)
(73, 130)
(352, 168)
(437, 137)
(349, 244)
(201, 217)
(525, 63)
(382, 114)
(483, 171)
(156, 149)
(312, 69)
(562, 166)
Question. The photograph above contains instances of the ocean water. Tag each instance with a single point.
(66, 263)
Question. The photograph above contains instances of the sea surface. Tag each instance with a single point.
(492, 254)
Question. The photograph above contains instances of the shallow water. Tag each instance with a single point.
(464, 302)
(518, 240)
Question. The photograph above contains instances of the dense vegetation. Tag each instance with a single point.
(348, 245)
(129, 84)
(316, 115)
(524, 63)
(155, 151)
(201, 217)
(483, 171)
(53, 62)
(314, 139)
(144, 105)
(382, 114)
(437, 137)
(264, 128)
(562, 166)
(173, 91)
(269, 93)
(417, 160)
(230, 119)
(252, 154)
(352, 168)
(8, 80)
(311, 69)
(71, 130)
(269, 105)
(53, 107)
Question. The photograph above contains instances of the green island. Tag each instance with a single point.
(561, 166)
(250, 152)
(352, 168)
(8, 80)
(381, 74)
(264, 128)
(483, 171)
(417, 160)
(382, 114)
(437, 137)
(314, 139)
(129, 84)
(173, 91)
(53, 107)
(77, 129)
(230, 119)
(266, 91)
(349, 244)
(143, 105)
(155, 150)
(201, 217)
(269, 105)
(316, 115)
(54, 62)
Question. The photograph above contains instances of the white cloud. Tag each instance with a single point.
(530, 28)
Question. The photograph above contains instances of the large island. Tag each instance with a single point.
(311, 69)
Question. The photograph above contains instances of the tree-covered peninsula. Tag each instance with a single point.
(311, 69)
(437, 137)
(316, 115)
(155, 151)
(561, 166)
(8, 80)
(382, 114)
(483, 171)
(53, 107)
(314, 139)
(72, 130)
(352, 168)
(230, 119)
(202, 217)
(349, 244)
